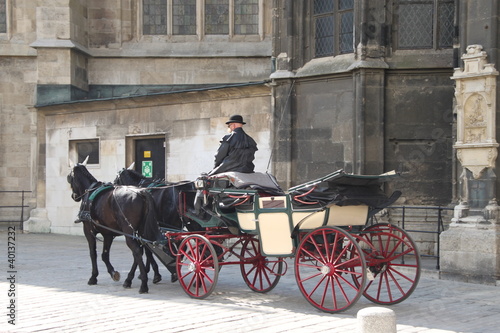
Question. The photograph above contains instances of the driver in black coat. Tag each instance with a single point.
(237, 149)
(236, 153)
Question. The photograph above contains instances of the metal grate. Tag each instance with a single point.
(184, 17)
(154, 17)
(217, 17)
(13, 206)
(246, 17)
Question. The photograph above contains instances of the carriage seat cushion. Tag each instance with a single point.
(256, 181)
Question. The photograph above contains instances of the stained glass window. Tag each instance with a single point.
(333, 27)
(3, 16)
(217, 17)
(221, 17)
(425, 24)
(246, 17)
(154, 16)
(184, 17)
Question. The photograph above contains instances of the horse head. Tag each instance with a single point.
(79, 179)
(128, 176)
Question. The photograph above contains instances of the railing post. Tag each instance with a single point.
(12, 217)
(440, 227)
(22, 211)
(403, 227)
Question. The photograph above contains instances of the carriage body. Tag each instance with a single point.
(322, 225)
(275, 217)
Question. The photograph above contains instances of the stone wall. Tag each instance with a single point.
(323, 128)
(191, 123)
(418, 137)
(18, 77)
(67, 50)
(177, 71)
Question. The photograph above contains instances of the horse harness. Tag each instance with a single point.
(85, 213)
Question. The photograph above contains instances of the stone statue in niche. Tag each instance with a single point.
(474, 119)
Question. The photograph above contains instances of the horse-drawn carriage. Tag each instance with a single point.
(323, 227)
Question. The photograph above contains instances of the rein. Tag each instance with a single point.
(88, 190)
(140, 239)
(161, 187)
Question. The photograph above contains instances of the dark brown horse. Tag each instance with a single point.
(115, 211)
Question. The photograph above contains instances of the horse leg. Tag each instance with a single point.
(93, 252)
(150, 260)
(108, 240)
(130, 276)
(128, 281)
(137, 253)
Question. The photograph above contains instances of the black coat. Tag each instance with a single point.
(236, 153)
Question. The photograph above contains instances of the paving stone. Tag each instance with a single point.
(53, 296)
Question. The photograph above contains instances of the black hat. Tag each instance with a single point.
(235, 119)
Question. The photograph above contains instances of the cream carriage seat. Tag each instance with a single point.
(332, 216)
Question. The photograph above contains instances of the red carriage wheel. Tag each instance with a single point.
(393, 263)
(197, 266)
(259, 272)
(326, 262)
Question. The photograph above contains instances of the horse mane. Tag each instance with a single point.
(129, 177)
(80, 168)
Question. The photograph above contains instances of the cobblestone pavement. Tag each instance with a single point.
(52, 295)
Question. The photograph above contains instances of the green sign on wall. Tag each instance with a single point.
(147, 169)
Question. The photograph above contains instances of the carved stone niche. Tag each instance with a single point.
(475, 95)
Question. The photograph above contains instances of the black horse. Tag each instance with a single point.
(115, 211)
(168, 198)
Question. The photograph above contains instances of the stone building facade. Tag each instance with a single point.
(361, 85)
(104, 77)
(365, 86)
(368, 86)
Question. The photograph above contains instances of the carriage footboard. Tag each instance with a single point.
(159, 252)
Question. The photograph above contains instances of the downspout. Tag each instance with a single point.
(359, 137)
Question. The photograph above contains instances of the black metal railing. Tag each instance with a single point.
(21, 206)
(438, 225)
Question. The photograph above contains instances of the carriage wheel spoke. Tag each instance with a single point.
(197, 266)
(259, 277)
(324, 269)
(391, 244)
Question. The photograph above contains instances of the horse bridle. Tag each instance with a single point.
(70, 178)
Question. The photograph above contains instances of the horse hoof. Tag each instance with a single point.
(115, 276)
(92, 281)
(174, 278)
(127, 284)
(157, 279)
(143, 291)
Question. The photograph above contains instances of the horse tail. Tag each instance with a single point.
(151, 228)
